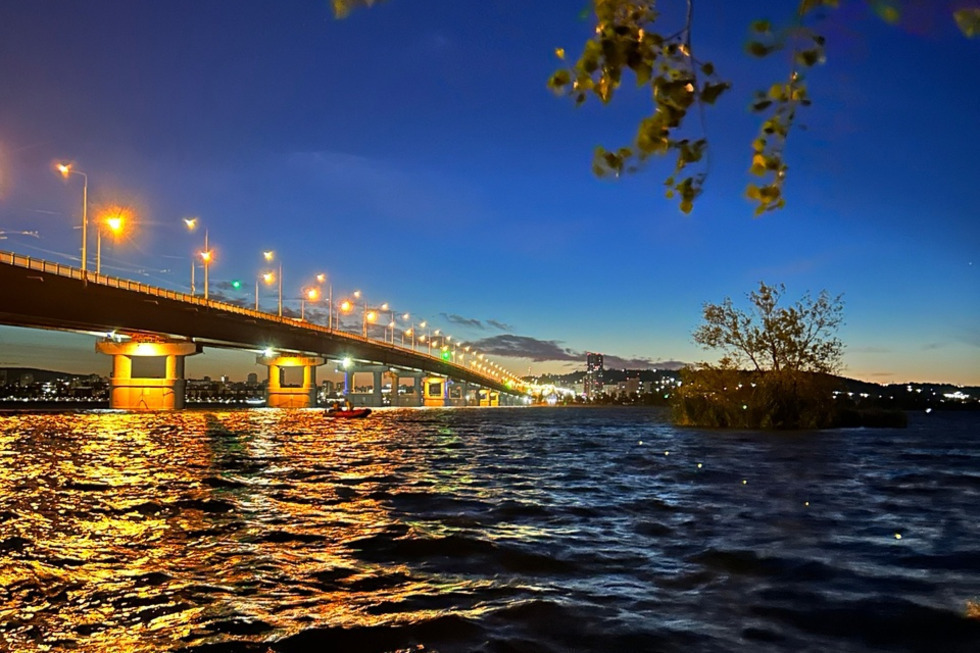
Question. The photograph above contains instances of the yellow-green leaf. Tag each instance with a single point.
(887, 11)
(710, 92)
(968, 20)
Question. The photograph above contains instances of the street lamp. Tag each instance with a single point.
(392, 324)
(206, 257)
(345, 306)
(422, 325)
(115, 222)
(321, 279)
(66, 169)
(269, 278)
(191, 224)
(269, 256)
(311, 294)
(367, 316)
(434, 333)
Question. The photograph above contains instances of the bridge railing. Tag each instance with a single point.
(50, 267)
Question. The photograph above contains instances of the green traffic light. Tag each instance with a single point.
(236, 284)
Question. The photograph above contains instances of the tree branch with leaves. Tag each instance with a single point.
(771, 337)
(630, 39)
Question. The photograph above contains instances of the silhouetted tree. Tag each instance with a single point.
(798, 338)
(775, 366)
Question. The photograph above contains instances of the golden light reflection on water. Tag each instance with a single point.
(132, 532)
(529, 529)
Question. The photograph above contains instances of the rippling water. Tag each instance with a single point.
(484, 530)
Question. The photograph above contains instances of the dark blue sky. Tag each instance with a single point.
(414, 152)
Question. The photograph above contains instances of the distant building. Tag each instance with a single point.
(632, 385)
(253, 379)
(593, 375)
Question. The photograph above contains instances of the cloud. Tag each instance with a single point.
(869, 350)
(475, 323)
(526, 347)
(464, 321)
(218, 293)
(933, 345)
(541, 351)
(616, 362)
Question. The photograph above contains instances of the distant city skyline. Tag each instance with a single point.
(415, 154)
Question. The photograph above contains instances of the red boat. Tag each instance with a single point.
(349, 413)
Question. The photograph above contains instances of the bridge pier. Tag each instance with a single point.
(415, 399)
(279, 395)
(127, 392)
(435, 391)
(376, 398)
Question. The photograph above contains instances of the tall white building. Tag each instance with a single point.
(593, 375)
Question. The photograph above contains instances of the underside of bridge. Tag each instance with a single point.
(40, 294)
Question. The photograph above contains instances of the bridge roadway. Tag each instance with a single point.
(41, 294)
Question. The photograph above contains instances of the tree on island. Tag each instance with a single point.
(777, 364)
(663, 58)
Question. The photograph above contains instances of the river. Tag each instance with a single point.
(510, 529)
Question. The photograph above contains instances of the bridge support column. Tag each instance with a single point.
(458, 390)
(127, 392)
(489, 397)
(279, 395)
(469, 394)
(376, 398)
(435, 391)
(414, 398)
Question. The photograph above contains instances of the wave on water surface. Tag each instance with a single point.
(484, 530)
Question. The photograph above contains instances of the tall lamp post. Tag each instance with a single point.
(429, 338)
(115, 224)
(310, 294)
(422, 325)
(268, 278)
(206, 257)
(321, 279)
(269, 256)
(393, 323)
(66, 169)
(371, 315)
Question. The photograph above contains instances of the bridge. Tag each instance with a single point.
(143, 322)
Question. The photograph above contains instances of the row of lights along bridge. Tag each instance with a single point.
(115, 221)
